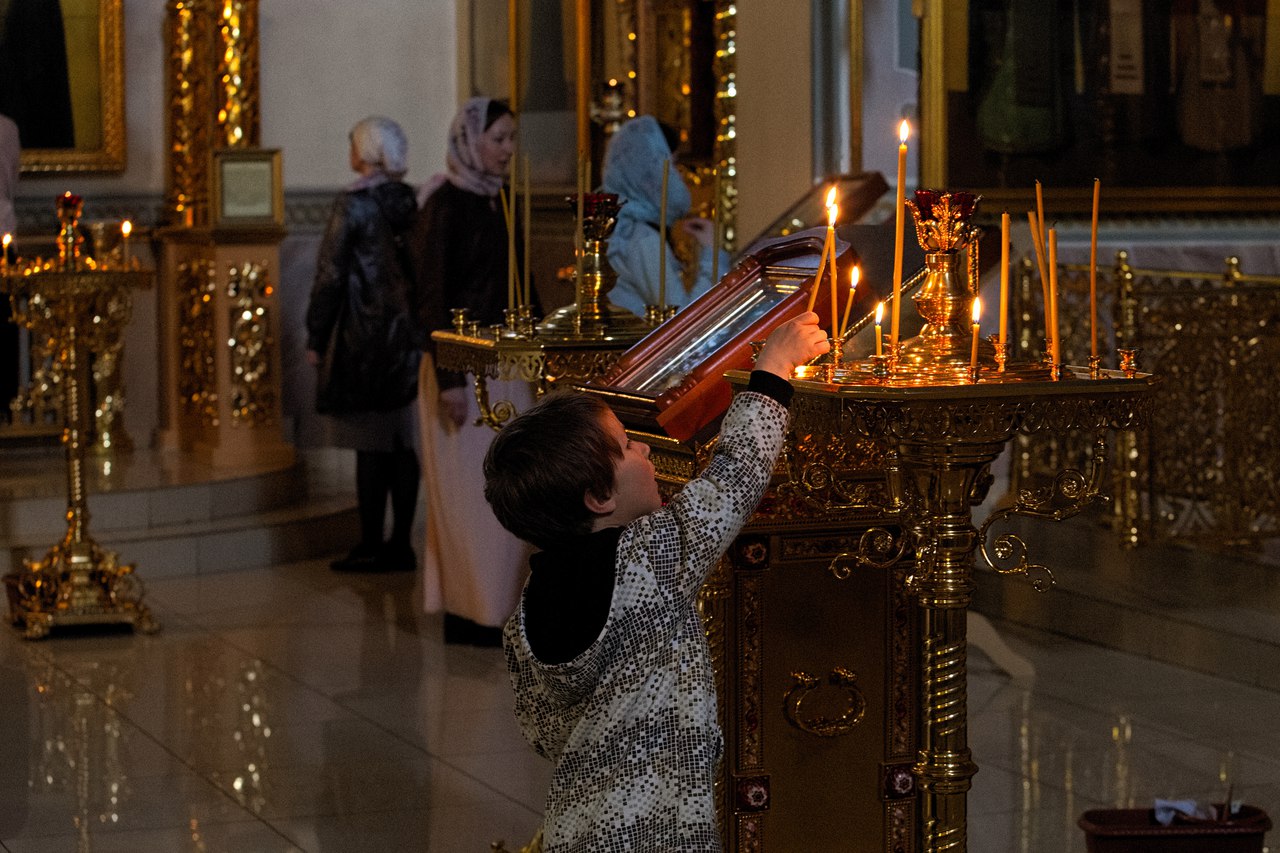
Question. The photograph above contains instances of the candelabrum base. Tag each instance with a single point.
(610, 324)
(77, 583)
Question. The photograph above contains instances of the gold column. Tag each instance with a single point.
(218, 303)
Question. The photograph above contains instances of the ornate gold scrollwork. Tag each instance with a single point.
(805, 685)
(1070, 493)
(495, 415)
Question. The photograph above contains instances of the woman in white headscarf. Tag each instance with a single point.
(633, 170)
(473, 569)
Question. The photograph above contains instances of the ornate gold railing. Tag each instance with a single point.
(1202, 471)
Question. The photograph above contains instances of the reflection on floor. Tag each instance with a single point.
(291, 708)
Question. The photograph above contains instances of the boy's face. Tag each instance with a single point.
(635, 491)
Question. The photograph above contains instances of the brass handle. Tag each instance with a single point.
(805, 684)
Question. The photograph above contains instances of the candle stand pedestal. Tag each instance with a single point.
(78, 582)
(944, 438)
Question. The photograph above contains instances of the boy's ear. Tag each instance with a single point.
(597, 505)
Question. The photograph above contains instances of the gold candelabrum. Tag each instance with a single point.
(74, 301)
(944, 417)
(591, 315)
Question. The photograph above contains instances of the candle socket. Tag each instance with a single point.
(1095, 367)
(653, 314)
(756, 347)
(496, 330)
(1002, 352)
(1128, 361)
(525, 324)
(973, 374)
(837, 356)
(880, 366)
(472, 329)
(460, 318)
(511, 318)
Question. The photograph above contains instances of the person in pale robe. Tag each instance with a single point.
(473, 569)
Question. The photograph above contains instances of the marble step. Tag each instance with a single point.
(178, 518)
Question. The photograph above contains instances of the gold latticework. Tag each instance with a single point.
(1202, 472)
(253, 396)
(197, 378)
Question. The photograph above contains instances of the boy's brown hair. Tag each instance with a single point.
(542, 464)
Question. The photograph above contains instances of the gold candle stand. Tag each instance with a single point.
(943, 438)
(78, 582)
(943, 424)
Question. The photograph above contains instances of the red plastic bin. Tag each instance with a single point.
(1136, 831)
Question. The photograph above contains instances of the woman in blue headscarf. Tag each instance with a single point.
(633, 170)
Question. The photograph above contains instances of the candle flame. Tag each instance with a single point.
(126, 228)
(904, 130)
(8, 238)
(854, 277)
(879, 312)
(831, 196)
(977, 310)
(833, 213)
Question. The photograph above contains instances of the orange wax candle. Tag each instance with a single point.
(854, 276)
(1053, 295)
(1004, 278)
(977, 318)
(899, 213)
(832, 212)
(715, 227)
(1037, 237)
(1093, 274)
(828, 249)
(511, 247)
(879, 333)
(527, 220)
(126, 228)
(4, 254)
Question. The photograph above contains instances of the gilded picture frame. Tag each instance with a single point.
(248, 188)
(1136, 95)
(92, 31)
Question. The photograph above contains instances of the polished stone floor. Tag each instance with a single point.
(291, 708)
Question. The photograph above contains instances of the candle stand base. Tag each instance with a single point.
(76, 584)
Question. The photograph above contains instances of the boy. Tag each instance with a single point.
(606, 651)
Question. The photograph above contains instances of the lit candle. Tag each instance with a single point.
(977, 318)
(4, 254)
(832, 212)
(879, 334)
(854, 276)
(662, 236)
(527, 219)
(126, 228)
(1053, 295)
(715, 227)
(899, 212)
(1004, 277)
(1093, 274)
(828, 246)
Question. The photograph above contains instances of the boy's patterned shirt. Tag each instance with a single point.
(631, 723)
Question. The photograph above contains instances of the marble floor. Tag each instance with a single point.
(292, 708)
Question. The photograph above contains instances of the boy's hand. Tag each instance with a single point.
(793, 343)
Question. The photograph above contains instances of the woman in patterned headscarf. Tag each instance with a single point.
(633, 170)
(473, 569)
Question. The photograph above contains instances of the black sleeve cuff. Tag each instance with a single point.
(771, 385)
